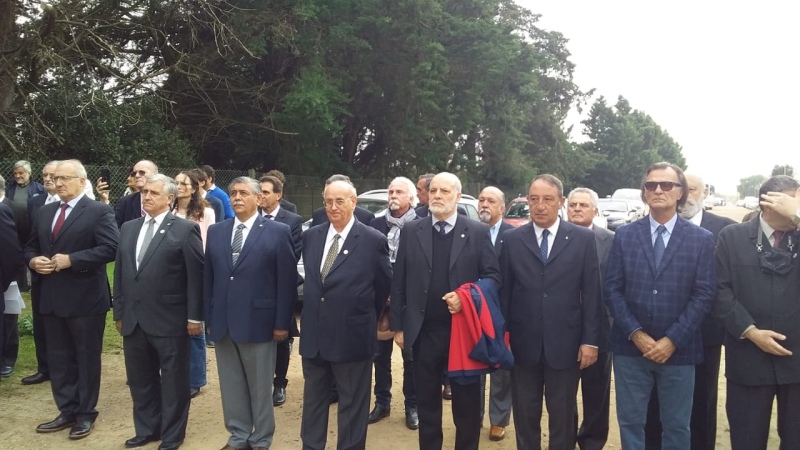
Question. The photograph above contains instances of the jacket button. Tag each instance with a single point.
(655, 291)
(322, 299)
(545, 295)
(422, 311)
(231, 278)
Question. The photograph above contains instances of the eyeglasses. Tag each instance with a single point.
(140, 173)
(64, 178)
(665, 185)
(339, 202)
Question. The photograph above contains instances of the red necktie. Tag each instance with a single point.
(778, 235)
(60, 221)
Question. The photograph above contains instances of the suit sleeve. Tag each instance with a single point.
(118, 299)
(208, 274)
(106, 238)
(119, 210)
(615, 289)
(286, 278)
(193, 258)
(10, 249)
(507, 273)
(726, 306)
(702, 297)
(489, 266)
(591, 298)
(383, 274)
(297, 237)
(398, 295)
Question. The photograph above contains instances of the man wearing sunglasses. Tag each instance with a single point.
(660, 284)
(129, 207)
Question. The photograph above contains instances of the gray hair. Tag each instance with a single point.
(427, 177)
(351, 188)
(24, 164)
(79, 169)
(2, 184)
(254, 185)
(552, 180)
(412, 189)
(51, 163)
(155, 167)
(339, 177)
(582, 190)
(452, 177)
(170, 187)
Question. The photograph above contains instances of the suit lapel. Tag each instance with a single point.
(529, 238)
(315, 261)
(348, 246)
(425, 235)
(675, 242)
(73, 216)
(460, 238)
(159, 235)
(252, 237)
(645, 238)
(560, 242)
(130, 244)
(50, 215)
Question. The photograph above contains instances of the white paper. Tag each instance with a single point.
(13, 300)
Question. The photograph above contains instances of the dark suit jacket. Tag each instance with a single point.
(671, 301)
(223, 197)
(10, 250)
(319, 216)
(287, 205)
(603, 239)
(295, 223)
(21, 220)
(216, 205)
(128, 208)
(498, 240)
(167, 288)
(712, 329)
(472, 257)
(551, 307)
(255, 297)
(340, 316)
(747, 296)
(89, 236)
(34, 188)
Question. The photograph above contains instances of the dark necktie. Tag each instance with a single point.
(659, 247)
(236, 246)
(62, 216)
(148, 236)
(777, 235)
(268, 216)
(330, 257)
(441, 224)
(543, 246)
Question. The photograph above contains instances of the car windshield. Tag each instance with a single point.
(613, 206)
(372, 205)
(518, 210)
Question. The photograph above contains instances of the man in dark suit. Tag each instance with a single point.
(270, 209)
(158, 289)
(320, 216)
(551, 296)
(73, 241)
(759, 284)
(285, 204)
(10, 253)
(595, 379)
(35, 204)
(491, 206)
(348, 276)
(129, 207)
(706, 379)
(9, 339)
(435, 257)
(423, 186)
(250, 284)
(660, 284)
(399, 213)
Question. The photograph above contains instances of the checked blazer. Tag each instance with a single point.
(671, 301)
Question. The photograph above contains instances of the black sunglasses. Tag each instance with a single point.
(665, 185)
(141, 173)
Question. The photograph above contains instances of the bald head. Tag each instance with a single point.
(444, 194)
(491, 205)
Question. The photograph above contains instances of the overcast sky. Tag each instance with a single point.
(721, 78)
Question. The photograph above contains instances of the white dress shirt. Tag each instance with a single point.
(140, 240)
(248, 225)
(553, 229)
(71, 204)
(329, 239)
(274, 212)
(451, 222)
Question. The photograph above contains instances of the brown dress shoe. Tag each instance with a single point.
(497, 433)
(260, 448)
(230, 447)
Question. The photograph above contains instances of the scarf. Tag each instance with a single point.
(395, 225)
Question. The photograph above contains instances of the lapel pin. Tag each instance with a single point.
(462, 235)
(345, 252)
(567, 237)
(260, 225)
(161, 232)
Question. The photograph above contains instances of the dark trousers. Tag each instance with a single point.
(529, 384)
(39, 337)
(430, 360)
(74, 345)
(704, 406)
(596, 393)
(158, 375)
(9, 340)
(283, 353)
(383, 376)
(749, 411)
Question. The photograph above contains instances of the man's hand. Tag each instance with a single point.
(662, 351)
(118, 325)
(398, 339)
(643, 341)
(280, 335)
(61, 261)
(194, 329)
(453, 302)
(102, 190)
(767, 341)
(783, 204)
(587, 356)
(42, 265)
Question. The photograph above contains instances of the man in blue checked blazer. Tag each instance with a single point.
(659, 286)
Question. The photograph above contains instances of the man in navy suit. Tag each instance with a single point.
(249, 287)
(660, 285)
(551, 296)
(10, 252)
(491, 206)
(129, 207)
(595, 379)
(436, 256)
(348, 276)
(320, 216)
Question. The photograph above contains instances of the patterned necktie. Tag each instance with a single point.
(441, 224)
(543, 247)
(330, 257)
(236, 246)
(148, 236)
(60, 221)
(777, 235)
(659, 247)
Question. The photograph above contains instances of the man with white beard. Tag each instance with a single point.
(704, 405)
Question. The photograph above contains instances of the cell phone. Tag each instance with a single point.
(105, 175)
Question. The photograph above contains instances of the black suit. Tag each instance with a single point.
(471, 257)
(39, 333)
(10, 253)
(128, 208)
(288, 206)
(217, 206)
(319, 216)
(154, 303)
(75, 300)
(500, 380)
(706, 376)
(9, 339)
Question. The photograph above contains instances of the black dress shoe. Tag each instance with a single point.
(334, 398)
(62, 422)
(140, 441)
(378, 413)
(170, 446)
(278, 396)
(194, 392)
(81, 429)
(412, 419)
(36, 378)
(447, 393)
(6, 371)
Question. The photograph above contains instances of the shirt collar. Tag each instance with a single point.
(670, 225)
(553, 229)
(343, 234)
(274, 212)
(697, 218)
(451, 220)
(159, 218)
(75, 200)
(247, 223)
(768, 230)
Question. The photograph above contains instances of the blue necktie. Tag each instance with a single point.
(441, 225)
(543, 247)
(658, 247)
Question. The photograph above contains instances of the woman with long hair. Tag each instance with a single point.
(190, 206)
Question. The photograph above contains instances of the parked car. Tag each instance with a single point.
(618, 212)
(634, 196)
(751, 202)
(518, 213)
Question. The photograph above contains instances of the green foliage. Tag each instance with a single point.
(784, 169)
(25, 324)
(749, 186)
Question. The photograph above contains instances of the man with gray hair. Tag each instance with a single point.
(318, 216)
(250, 285)
(129, 207)
(158, 304)
(21, 188)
